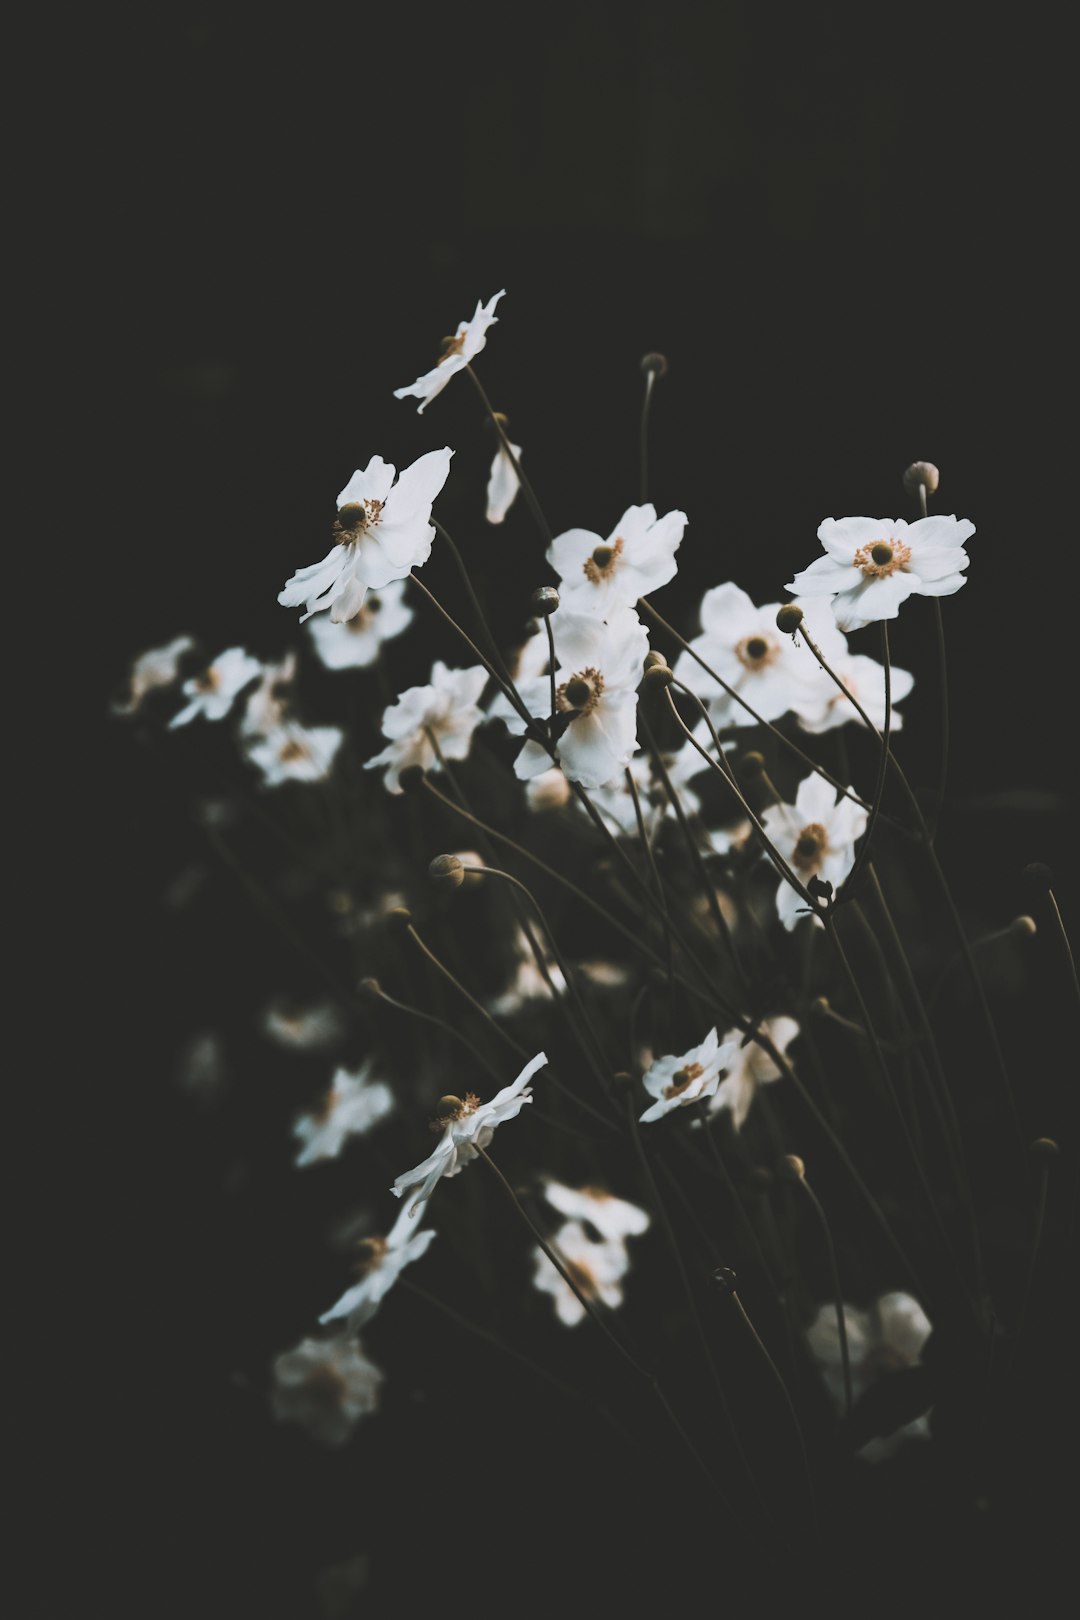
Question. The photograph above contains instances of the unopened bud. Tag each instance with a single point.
(924, 473)
(1023, 927)
(789, 618)
(411, 779)
(654, 659)
(399, 918)
(751, 764)
(544, 601)
(654, 364)
(447, 872)
(449, 1104)
(621, 1079)
(370, 987)
(725, 1279)
(1044, 1147)
(791, 1168)
(500, 419)
(657, 677)
(820, 1007)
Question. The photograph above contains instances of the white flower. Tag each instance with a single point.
(447, 709)
(615, 801)
(384, 1259)
(614, 1218)
(887, 1338)
(355, 643)
(306, 1029)
(602, 665)
(503, 484)
(470, 338)
(677, 1081)
(750, 1067)
(295, 753)
(351, 1107)
(468, 1127)
(816, 836)
(267, 706)
(637, 557)
(382, 532)
(742, 644)
(153, 669)
(528, 982)
(597, 1268)
(864, 677)
(213, 692)
(871, 565)
(326, 1386)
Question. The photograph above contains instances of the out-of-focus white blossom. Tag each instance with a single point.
(615, 801)
(742, 644)
(872, 565)
(306, 1029)
(887, 1338)
(152, 670)
(295, 753)
(597, 1269)
(749, 1067)
(677, 1081)
(548, 791)
(266, 708)
(528, 982)
(213, 693)
(466, 1128)
(468, 340)
(353, 1104)
(816, 836)
(355, 643)
(382, 1261)
(503, 484)
(382, 532)
(326, 1386)
(447, 708)
(596, 576)
(864, 677)
(614, 1218)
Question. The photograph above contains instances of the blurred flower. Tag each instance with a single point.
(201, 1068)
(750, 1067)
(597, 575)
(466, 1128)
(295, 753)
(676, 1081)
(528, 982)
(446, 709)
(816, 836)
(382, 1260)
(151, 670)
(355, 643)
(599, 697)
(470, 338)
(597, 1269)
(267, 706)
(382, 532)
(213, 692)
(548, 791)
(615, 801)
(884, 1339)
(614, 1218)
(308, 1029)
(503, 484)
(326, 1386)
(872, 565)
(351, 1107)
(742, 644)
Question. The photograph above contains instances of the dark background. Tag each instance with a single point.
(844, 229)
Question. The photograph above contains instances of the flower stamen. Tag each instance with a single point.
(883, 558)
(682, 1078)
(581, 692)
(355, 516)
(599, 566)
(810, 847)
(756, 652)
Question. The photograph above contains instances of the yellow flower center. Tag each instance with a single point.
(756, 652)
(810, 847)
(362, 621)
(682, 1078)
(452, 345)
(370, 1254)
(452, 1108)
(581, 692)
(354, 517)
(883, 558)
(600, 565)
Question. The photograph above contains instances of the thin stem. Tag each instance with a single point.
(510, 692)
(841, 1322)
(497, 658)
(883, 765)
(650, 379)
(1064, 940)
(943, 688)
(526, 487)
(778, 1376)
(733, 1193)
(650, 856)
(551, 661)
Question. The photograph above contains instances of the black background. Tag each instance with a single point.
(843, 228)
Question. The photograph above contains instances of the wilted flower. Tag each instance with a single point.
(307, 1029)
(871, 565)
(637, 557)
(382, 532)
(742, 644)
(750, 1067)
(353, 1104)
(816, 836)
(503, 484)
(382, 1260)
(295, 753)
(597, 1269)
(468, 1125)
(326, 1386)
(613, 1218)
(465, 345)
(677, 1081)
(887, 1338)
(157, 668)
(602, 663)
(213, 693)
(446, 710)
(355, 643)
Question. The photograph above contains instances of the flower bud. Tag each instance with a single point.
(751, 764)
(654, 659)
(622, 1079)
(446, 872)
(657, 677)
(369, 987)
(924, 473)
(725, 1279)
(1044, 1147)
(411, 779)
(1023, 927)
(654, 364)
(791, 1168)
(543, 601)
(399, 918)
(820, 1007)
(789, 618)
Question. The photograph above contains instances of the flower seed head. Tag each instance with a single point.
(791, 1168)
(654, 364)
(1023, 927)
(446, 871)
(544, 601)
(656, 677)
(789, 618)
(924, 473)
